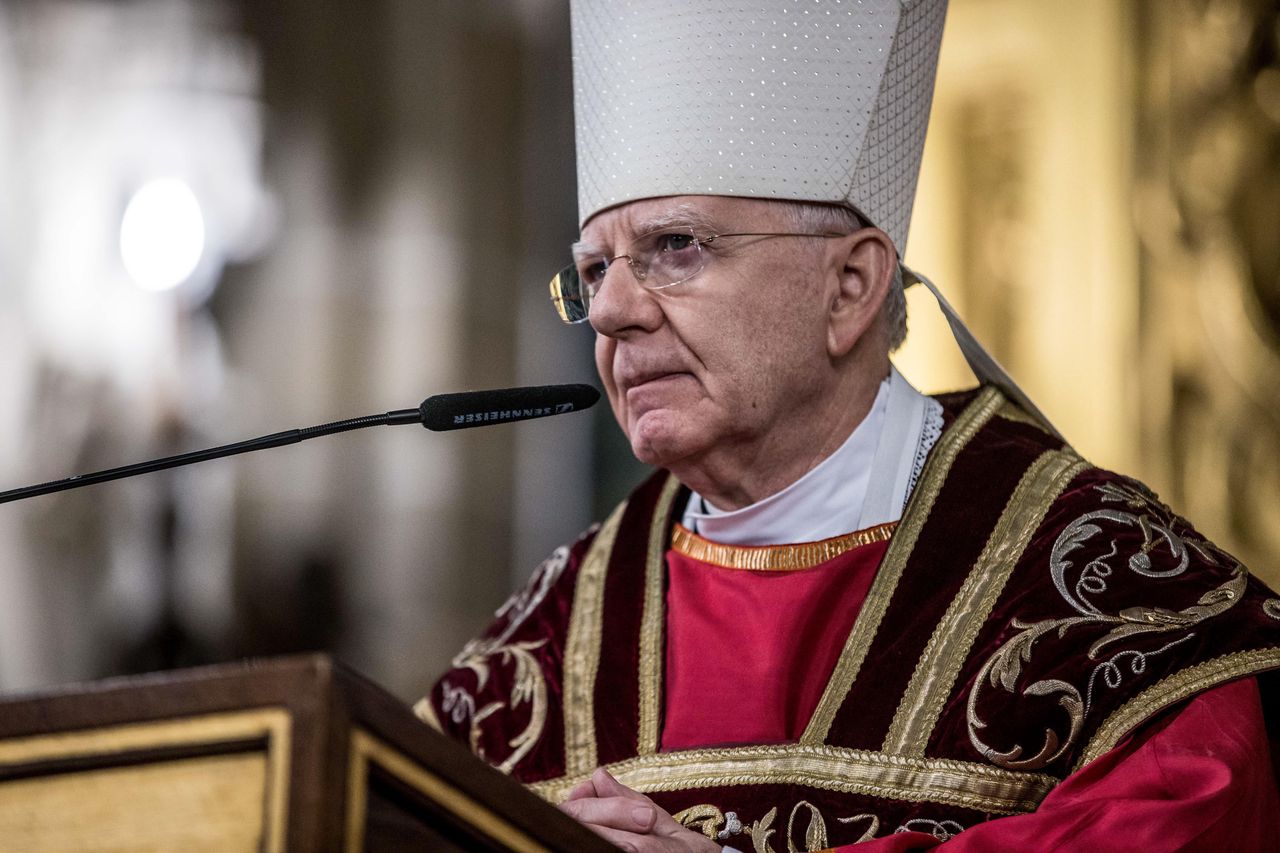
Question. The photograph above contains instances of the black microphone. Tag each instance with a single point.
(441, 412)
(481, 408)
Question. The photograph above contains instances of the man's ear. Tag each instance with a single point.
(863, 266)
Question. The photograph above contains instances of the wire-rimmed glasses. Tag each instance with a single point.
(658, 260)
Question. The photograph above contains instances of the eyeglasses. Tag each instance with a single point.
(658, 260)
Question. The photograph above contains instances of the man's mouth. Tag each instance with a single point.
(650, 378)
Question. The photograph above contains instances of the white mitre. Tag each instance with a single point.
(805, 100)
(814, 100)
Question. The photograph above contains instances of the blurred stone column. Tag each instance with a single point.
(396, 145)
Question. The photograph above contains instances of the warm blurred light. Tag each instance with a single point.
(162, 234)
(1266, 89)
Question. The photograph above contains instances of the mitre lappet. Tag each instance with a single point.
(800, 100)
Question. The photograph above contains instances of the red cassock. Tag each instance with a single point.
(1194, 779)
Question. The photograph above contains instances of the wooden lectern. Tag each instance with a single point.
(292, 754)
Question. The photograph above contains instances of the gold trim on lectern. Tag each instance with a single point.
(99, 747)
(366, 748)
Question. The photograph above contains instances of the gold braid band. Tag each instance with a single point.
(775, 558)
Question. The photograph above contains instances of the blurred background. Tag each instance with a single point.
(223, 218)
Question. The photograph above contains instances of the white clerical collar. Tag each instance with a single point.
(864, 483)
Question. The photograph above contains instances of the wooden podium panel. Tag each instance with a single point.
(292, 754)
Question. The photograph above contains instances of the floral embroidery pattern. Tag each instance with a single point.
(721, 826)
(1163, 553)
(943, 830)
(529, 684)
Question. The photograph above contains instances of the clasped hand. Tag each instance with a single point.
(629, 819)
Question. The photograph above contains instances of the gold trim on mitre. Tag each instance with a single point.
(775, 558)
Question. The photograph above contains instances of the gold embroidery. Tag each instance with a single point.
(873, 826)
(705, 819)
(944, 454)
(530, 685)
(875, 774)
(760, 832)
(1156, 524)
(815, 837)
(943, 830)
(473, 734)
(529, 681)
(1010, 411)
(939, 666)
(651, 621)
(1172, 690)
(708, 820)
(775, 558)
(1271, 607)
(582, 650)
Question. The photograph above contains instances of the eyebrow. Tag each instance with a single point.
(683, 215)
(680, 216)
(583, 249)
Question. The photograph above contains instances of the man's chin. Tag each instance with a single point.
(651, 455)
(656, 440)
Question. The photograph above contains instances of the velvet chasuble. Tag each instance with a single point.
(1029, 611)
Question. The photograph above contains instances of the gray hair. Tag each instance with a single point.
(818, 217)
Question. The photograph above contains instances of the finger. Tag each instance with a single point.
(614, 812)
(664, 824)
(607, 786)
(580, 790)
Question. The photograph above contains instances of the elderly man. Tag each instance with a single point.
(841, 612)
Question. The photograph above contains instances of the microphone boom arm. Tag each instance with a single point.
(278, 439)
(441, 412)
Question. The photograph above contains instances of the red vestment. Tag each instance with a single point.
(1194, 780)
(742, 628)
(1029, 613)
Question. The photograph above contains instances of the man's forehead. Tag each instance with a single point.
(699, 211)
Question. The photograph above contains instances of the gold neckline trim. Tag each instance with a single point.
(775, 558)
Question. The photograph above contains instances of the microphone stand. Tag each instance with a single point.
(279, 439)
(439, 413)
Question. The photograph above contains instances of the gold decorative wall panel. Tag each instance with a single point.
(1099, 199)
(1206, 204)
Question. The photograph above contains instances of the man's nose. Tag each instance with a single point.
(622, 302)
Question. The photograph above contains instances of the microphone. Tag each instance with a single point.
(481, 408)
(438, 413)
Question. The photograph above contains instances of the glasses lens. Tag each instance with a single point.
(670, 256)
(657, 260)
(571, 299)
